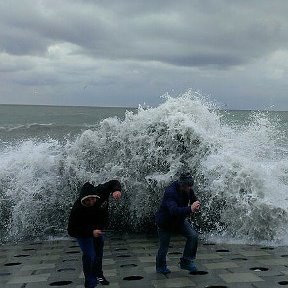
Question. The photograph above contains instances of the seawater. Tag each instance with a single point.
(24, 122)
(239, 160)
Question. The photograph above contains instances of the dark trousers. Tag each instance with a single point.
(92, 249)
(190, 250)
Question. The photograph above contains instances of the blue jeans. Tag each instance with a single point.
(92, 249)
(190, 250)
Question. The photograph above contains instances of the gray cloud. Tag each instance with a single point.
(125, 44)
(140, 32)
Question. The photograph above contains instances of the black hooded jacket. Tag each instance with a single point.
(83, 220)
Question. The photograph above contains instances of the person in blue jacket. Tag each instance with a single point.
(178, 203)
(88, 218)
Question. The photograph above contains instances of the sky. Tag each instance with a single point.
(130, 52)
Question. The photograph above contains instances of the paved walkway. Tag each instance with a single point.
(129, 261)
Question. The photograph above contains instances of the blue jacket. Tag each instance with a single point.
(174, 207)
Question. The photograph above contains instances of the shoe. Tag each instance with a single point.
(188, 265)
(163, 270)
(103, 281)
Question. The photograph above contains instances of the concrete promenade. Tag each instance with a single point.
(129, 261)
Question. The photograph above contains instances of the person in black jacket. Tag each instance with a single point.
(178, 203)
(88, 218)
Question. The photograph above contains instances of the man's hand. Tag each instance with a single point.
(116, 195)
(195, 206)
(97, 233)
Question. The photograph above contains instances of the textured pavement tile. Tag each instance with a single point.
(273, 261)
(208, 256)
(240, 277)
(108, 273)
(152, 269)
(138, 250)
(48, 252)
(111, 272)
(28, 279)
(284, 272)
(16, 285)
(171, 283)
(147, 259)
(143, 254)
(37, 267)
(220, 265)
(114, 285)
(138, 245)
(108, 261)
(51, 257)
(251, 253)
(266, 284)
(265, 274)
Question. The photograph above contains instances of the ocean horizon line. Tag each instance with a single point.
(68, 106)
(130, 107)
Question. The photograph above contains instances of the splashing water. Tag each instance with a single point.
(241, 172)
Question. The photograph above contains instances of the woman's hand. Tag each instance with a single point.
(97, 233)
(116, 195)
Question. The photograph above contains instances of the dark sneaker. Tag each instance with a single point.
(102, 280)
(163, 270)
(188, 265)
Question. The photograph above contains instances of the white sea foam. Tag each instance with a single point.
(241, 172)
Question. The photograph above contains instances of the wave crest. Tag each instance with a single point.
(239, 181)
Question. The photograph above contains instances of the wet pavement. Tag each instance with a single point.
(129, 261)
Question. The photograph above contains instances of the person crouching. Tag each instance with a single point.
(178, 203)
(88, 218)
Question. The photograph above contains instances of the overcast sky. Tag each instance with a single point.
(125, 53)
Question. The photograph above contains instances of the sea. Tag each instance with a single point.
(239, 160)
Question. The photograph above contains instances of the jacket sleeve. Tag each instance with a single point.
(109, 187)
(192, 197)
(114, 185)
(173, 207)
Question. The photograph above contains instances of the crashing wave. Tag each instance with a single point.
(241, 178)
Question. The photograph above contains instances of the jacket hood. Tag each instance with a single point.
(88, 190)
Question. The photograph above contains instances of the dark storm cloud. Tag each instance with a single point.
(216, 60)
(186, 33)
(122, 51)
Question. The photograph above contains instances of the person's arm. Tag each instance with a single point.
(109, 188)
(192, 196)
(173, 207)
(116, 189)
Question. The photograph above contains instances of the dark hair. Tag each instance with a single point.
(186, 179)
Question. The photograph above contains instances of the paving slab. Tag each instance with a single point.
(221, 265)
(274, 261)
(240, 277)
(37, 267)
(30, 278)
(175, 282)
(209, 256)
(254, 253)
(129, 261)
